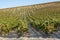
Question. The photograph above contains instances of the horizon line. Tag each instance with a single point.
(28, 5)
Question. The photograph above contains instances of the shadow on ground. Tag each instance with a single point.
(41, 35)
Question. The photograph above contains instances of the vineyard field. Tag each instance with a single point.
(41, 17)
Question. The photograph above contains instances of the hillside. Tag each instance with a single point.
(44, 17)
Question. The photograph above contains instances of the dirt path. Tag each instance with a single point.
(33, 32)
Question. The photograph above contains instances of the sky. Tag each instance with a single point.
(14, 3)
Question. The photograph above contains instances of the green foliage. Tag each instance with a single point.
(41, 17)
